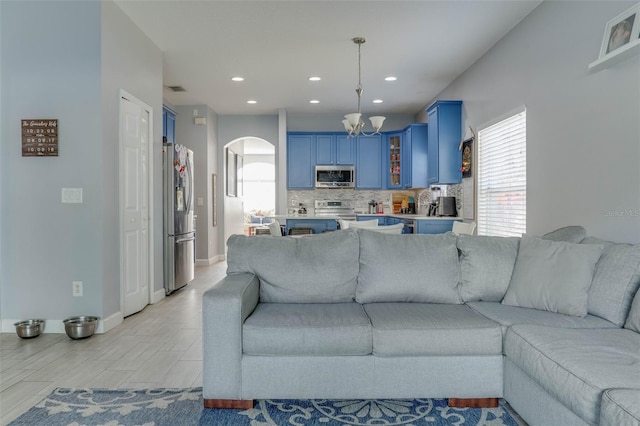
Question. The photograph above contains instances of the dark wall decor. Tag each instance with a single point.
(39, 137)
(467, 158)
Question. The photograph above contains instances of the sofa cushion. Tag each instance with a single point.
(419, 329)
(553, 276)
(321, 268)
(507, 316)
(408, 268)
(633, 320)
(486, 265)
(307, 329)
(620, 407)
(568, 234)
(576, 365)
(616, 280)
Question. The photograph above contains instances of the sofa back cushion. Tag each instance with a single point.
(553, 276)
(408, 268)
(312, 269)
(486, 265)
(568, 234)
(633, 320)
(615, 281)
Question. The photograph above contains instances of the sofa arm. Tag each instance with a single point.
(225, 306)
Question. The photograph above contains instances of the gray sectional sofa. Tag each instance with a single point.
(550, 324)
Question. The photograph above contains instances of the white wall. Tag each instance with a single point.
(583, 137)
(202, 140)
(46, 244)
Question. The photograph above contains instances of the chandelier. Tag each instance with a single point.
(353, 124)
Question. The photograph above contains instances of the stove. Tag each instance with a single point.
(343, 209)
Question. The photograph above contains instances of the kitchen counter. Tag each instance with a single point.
(414, 216)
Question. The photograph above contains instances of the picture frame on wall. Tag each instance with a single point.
(621, 31)
(467, 158)
(239, 175)
(231, 174)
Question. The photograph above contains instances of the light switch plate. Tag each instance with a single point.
(72, 195)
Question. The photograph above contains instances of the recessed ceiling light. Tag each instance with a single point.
(390, 78)
(314, 78)
(251, 101)
(377, 101)
(237, 78)
(314, 101)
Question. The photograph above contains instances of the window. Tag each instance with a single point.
(259, 187)
(502, 177)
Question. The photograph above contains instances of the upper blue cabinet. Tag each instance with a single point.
(406, 157)
(168, 125)
(444, 136)
(369, 162)
(300, 161)
(333, 149)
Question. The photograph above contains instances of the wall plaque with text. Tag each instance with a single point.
(39, 138)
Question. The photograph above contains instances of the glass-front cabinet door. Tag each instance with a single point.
(394, 156)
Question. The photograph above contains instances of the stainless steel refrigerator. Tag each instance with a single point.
(179, 226)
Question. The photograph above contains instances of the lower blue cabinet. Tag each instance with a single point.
(434, 226)
(318, 226)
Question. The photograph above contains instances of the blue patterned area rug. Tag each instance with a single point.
(174, 407)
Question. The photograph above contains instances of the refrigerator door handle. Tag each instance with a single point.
(184, 240)
(190, 174)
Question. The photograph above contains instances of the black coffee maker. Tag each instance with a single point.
(446, 206)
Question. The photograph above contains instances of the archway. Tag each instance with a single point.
(253, 194)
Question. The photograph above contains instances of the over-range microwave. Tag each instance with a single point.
(335, 177)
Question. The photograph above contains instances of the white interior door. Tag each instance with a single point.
(134, 202)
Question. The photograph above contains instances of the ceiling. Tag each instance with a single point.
(277, 45)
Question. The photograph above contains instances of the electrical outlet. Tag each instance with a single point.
(77, 288)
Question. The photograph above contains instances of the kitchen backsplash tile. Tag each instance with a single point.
(361, 198)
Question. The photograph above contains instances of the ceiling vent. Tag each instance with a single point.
(177, 88)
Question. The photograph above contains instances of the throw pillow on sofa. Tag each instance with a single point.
(615, 281)
(553, 276)
(486, 265)
(633, 320)
(408, 268)
(568, 234)
(318, 269)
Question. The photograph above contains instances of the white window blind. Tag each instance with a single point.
(502, 177)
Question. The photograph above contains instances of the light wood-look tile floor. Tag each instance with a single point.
(158, 347)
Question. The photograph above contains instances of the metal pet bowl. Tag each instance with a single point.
(29, 328)
(80, 327)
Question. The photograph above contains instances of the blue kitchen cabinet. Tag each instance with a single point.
(345, 150)
(334, 149)
(394, 160)
(415, 146)
(168, 125)
(407, 158)
(300, 161)
(439, 226)
(318, 226)
(369, 162)
(444, 137)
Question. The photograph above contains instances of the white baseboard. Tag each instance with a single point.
(109, 323)
(158, 296)
(210, 261)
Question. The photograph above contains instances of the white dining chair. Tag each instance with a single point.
(468, 228)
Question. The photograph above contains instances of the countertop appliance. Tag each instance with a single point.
(335, 177)
(179, 224)
(446, 206)
(341, 208)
